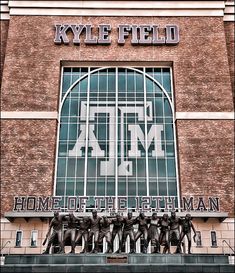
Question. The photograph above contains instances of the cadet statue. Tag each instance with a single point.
(164, 232)
(56, 224)
(187, 225)
(71, 231)
(142, 230)
(117, 230)
(153, 234)
(94, 230)
(175, 230)
(128, 230)
(105, 232)
(84, 225)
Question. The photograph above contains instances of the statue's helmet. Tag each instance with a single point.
(94, 212)
(141, 215)
(154, 215)
(188, 216)
(173, 213)
(129, 214)
(165, 216)
(56, 214)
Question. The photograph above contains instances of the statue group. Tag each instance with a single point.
(160, 231)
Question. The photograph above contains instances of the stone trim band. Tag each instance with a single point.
(28, 115)
(205, 115)
(118, 8)
(179, 115)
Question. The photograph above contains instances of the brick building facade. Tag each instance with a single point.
(201, 74)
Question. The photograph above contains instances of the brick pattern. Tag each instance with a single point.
(32, 74)
(229, 32)
(27, 159)
(4, 25)
(206, 160)
(31, 82)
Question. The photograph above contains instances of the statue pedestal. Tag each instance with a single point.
(117, 263)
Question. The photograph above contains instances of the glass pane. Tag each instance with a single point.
(70, 188)
(139, 83)
(161, 168)
(167, 82)
(61, 167)
(60, 187)
(34, 236)
(65, 108)
(91, 188)
(18, 238)
(94, 83)
(153, 188)
(171, 167)
(110, 188)
(162, 189)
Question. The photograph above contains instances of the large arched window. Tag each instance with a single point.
(116, 134)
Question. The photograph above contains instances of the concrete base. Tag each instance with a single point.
(117, 263)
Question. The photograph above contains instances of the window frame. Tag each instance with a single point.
(215, 244)
(21, 238)
(31, 237)
(145, 76)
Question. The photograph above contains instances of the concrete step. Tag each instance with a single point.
(121, 268)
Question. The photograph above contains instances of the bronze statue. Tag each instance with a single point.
(187, 225)
(105, 232)
(100, 228)
(117, 230)
(128, 230)
(153, 234)
(175, 230)
(164, 232)
(94, 230)
(84, 225)
(142, 230)
(56, 224)
(71, 231)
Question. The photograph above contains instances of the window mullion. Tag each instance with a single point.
(87, 131)
(116, 138)
(146, 134)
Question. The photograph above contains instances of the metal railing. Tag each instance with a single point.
(7, 242)
(225, 242)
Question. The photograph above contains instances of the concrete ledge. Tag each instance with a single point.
(11, 215)
(132, 259)
(215, 268)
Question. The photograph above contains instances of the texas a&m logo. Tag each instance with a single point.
(108, 128)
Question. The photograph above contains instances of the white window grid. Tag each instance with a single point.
(74, 79)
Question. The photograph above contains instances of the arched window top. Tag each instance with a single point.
(144, 72)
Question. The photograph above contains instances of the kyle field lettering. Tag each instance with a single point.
(138, 34)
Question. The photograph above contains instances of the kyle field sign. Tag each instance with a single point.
(138, 34)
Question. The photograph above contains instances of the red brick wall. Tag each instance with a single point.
(206, 159)
(27, 159)
(31, 77)
(4, 24)
(31, 82)
(229, 32)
